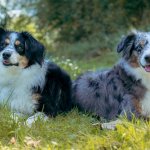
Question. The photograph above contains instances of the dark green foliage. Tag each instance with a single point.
(77, 19)
(80, 19)
(135, 9)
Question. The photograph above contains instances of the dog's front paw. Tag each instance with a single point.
(110, 125)
(35, 117)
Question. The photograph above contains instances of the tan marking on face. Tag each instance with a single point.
(17, 42)
(23, 61)
(7, 41)
(134, 61)
(142, 43)
(36, 96)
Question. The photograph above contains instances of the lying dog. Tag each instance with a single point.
(122, 90)
(28, 83)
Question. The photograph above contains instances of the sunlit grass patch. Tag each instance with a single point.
(72, 131)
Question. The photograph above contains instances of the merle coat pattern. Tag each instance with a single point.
(123, 89)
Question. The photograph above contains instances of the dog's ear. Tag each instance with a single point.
(34, 50)
(2, 31)
(126, 45)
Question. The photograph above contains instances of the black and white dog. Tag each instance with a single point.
(28, 83)
(124, 89)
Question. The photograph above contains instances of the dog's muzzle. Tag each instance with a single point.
(6, 55)
(6, 59)
(147, 65)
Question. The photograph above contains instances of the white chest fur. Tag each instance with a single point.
(145, 103)
(16, 86)
(140, 73)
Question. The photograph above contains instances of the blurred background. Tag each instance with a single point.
(79, 35)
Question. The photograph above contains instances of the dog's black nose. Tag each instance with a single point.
(147, 58)
(6, 55)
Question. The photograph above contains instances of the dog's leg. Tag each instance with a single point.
(35, 117)
(110, 125)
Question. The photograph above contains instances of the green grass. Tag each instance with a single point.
(72, 131)
(76, 65)
(88, 54)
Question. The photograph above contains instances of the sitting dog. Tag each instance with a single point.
(123, 89)
(28, 83)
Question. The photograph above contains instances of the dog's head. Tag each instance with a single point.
(135, 49)
(20, 49)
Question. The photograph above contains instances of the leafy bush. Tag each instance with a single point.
(80, 19)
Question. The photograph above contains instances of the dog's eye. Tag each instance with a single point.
(139, 49)
(5, 44)
(20, 49)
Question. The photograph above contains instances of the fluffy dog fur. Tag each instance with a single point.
(28, 83)
(123, 89)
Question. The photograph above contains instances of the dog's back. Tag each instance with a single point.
(99, 93)
(122, 89)
(107, 94)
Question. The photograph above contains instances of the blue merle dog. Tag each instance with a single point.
(123, 89)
